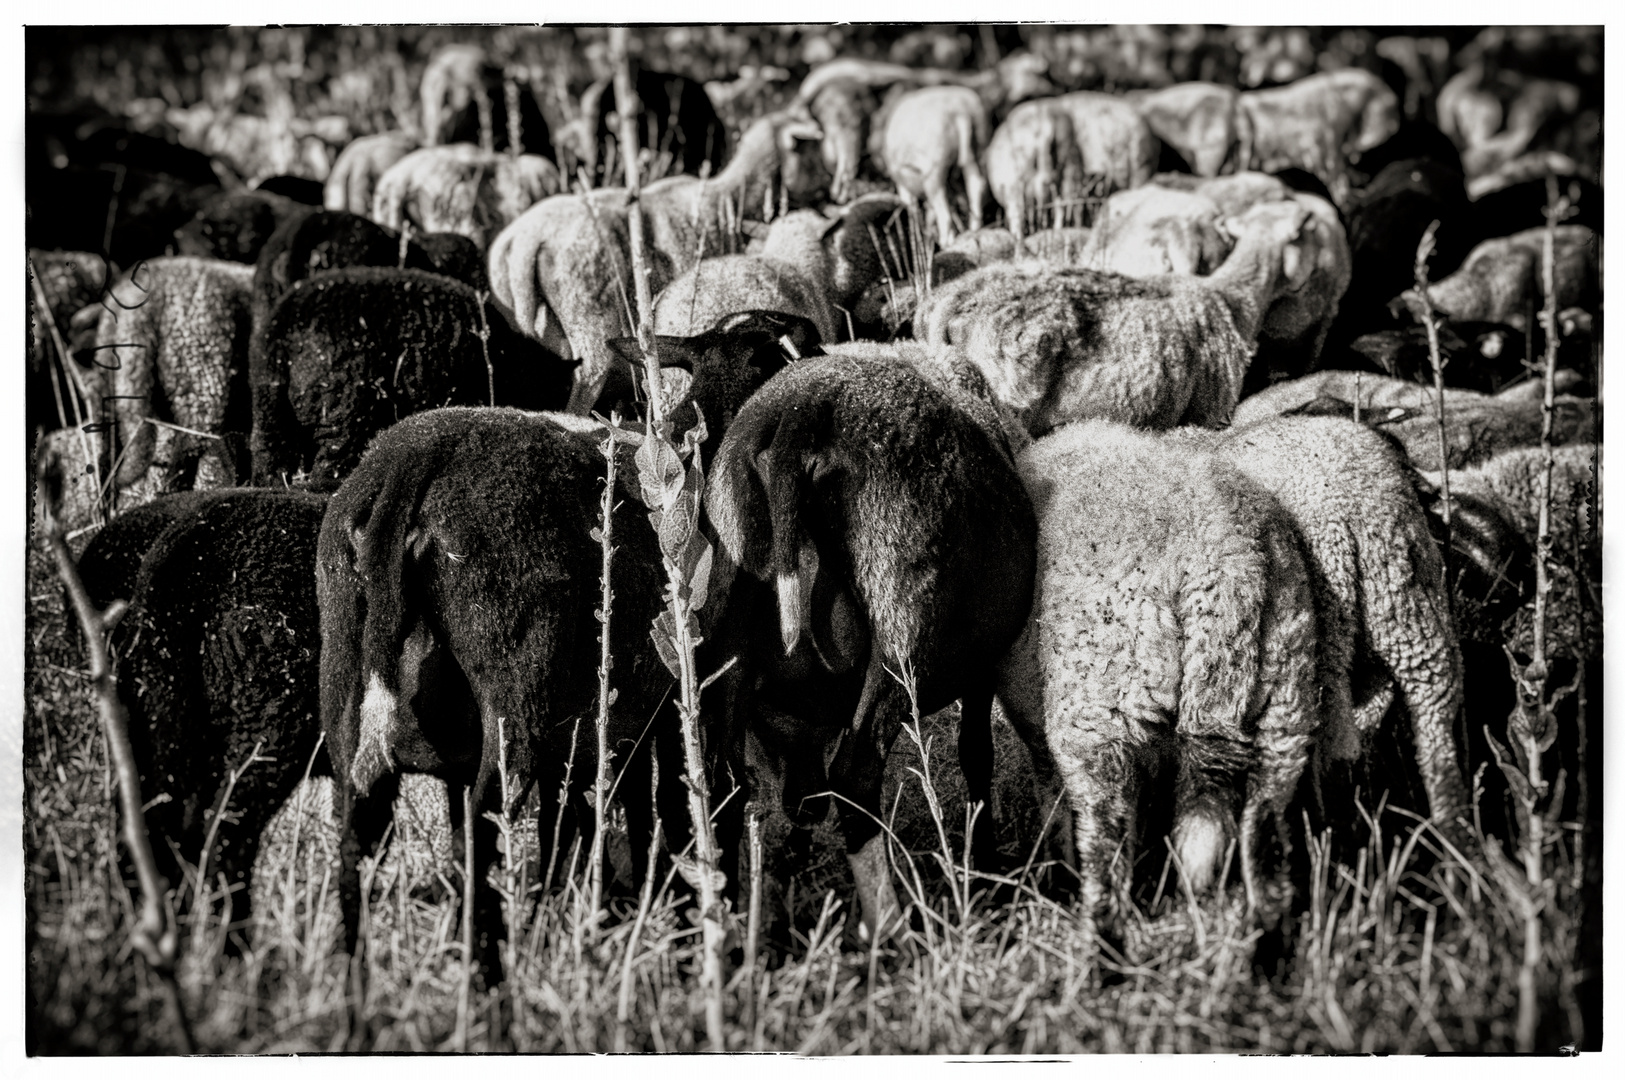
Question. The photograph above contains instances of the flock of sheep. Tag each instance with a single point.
(1101, 463)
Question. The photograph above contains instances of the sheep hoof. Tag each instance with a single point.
(877, 900)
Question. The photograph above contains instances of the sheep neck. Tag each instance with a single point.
(1247, 280)
(747, 181)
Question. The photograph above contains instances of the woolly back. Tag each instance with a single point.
(699, 299)
(1153, 230)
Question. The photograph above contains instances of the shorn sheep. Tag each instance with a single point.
(1033, 164)
(217, 665)
(175, 332)
(1173, 628)
(358, 168)
(1059, 344)
(461, 189)
(348, 352)
(932, 133)
(842, 109)
(872, 506)
(1379, 586)
(564, 268)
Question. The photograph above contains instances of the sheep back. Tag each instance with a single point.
(1113, 138)
(355, 174)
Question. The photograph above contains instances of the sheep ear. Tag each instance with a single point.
(1232, 227)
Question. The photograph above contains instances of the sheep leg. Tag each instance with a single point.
(976, 762)
(859, 768)
(362, 820)
(937, 195)
(975, 191)
(1103, 781)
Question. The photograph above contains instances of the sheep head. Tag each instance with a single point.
(1286, 228)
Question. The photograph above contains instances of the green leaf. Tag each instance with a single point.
(699, 579)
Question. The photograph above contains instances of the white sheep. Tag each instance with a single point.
(1502, 280)
(931, 133)
(1172, 626)
(461, 189)
(360, 164)
(1316, 122)
(564, 267)
(1060, 344)
(1113, 138)
(1156, 230)
(1203, 121)
(1033, 163)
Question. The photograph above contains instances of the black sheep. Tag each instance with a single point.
(676, 122)
(218, 657)
(874, 506)
(347, 353)
(300, 189)
(112, 560)
(457, 578)
(454, 83)
(236, 226)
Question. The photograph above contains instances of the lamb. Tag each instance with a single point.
(464, 97)
(461, 189)
(1113, 138)
(456, 579)
(1379, 588)
(1173, 625)
(359, 166)
(217, 660)
(932, 132)
(176, 330)
(842, 109)
(1059, 344)
(678, 126)
(1154, 230)
(1033, 163)
(1318, 121)
(1477, 426)
(872, 502)
(348, 352)
(563, 268)
(1502, 280)
(1203, 121)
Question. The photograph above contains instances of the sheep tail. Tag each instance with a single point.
(784, 477)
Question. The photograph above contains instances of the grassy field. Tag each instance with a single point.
(1392, 944)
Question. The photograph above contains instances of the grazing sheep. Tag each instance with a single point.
(1032, 163)
(235, 226)
(842, 109)
(1203, 121)
(1113, 138)
(460, 189)
(1482, 356)
(844, 256)
(932, 132)
(465, 97)
(111, 561)
(872, 503)
(1502, 280)
(175, 332)
(564, 267)
(457, 579)
(1477, 426)
(1155, 230)
(1014, 78)
(217, 662)
(1059, 344)
(677, 125)
(348, 352)
(1173, 627)
(1379, 587)
(359, 166)
(1318, 121)
(1297, 323)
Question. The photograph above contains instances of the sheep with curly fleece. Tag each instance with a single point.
(359, 167)
(1477, 426)
(460, 189)
(1318, 121)
(1202, 121)
(1033, 162)
(1059, 344)
(175, 331)
(1173, 630)
(564, 268)
(1379, 587)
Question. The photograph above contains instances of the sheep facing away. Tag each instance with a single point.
(1203, 122)
(217, 662)
(465, 99)
(348, 352)
(564, 269)
(460, 189)
(1113, 138)
(1318, 121)
(932, 133)
(842, 109)
(1173, 629)
(175, 333)
(1033, 166)
(871, 503)
(359, 167)
(1058, 344)
(1379, 588)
